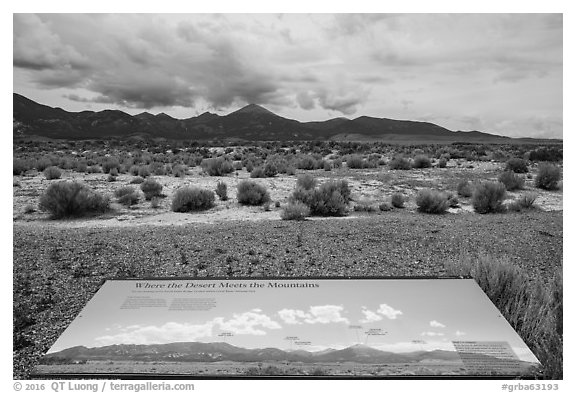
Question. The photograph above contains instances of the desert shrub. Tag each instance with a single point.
(217, 166)
(399, 163)
(452, 200)
(157, 169)
(511, 181)
(192, 199)
(431, 201)
(465, 189)
(385, 206)
(270, 169)
(307, 162)
(488, 197)
(94, 169)
(134, 170)
(52, 173)
(524, 202)
(66, 199)
(178, 170)
(251, 193)
(127, 195)
(355, 161)
(81, 166)
(548, 176)
(144, 171)
(533, 308)
(517, 165)
(552, 153)
(337, 163)
(109, 164)
(330, 199)
(155, 202)
(222, 191)
(327, 166)
(111, 178)
(249, 166)
(306, 181)
(257, 172)
(365, 205)
(151, 188)
(421, 161)
(137, 180)
(290, 170)
(113, 172)
(20, 166)
(442, 163)
(43, 163)
(398, 200)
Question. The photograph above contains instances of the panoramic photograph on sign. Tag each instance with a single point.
(301, 327)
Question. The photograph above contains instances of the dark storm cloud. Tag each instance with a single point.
(36, 47)
(146, 65)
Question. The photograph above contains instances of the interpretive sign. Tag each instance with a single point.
(290, 327)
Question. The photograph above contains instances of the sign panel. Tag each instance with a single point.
(298, 327)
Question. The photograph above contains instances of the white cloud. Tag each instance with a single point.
(315, 314)
(169, 332)
(437, 324)
(460, 333)
(432, 334)
(370, 316)
(292, 316)
(388, 312)
(252, 323)
(247, 323)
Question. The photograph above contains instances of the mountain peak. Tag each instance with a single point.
(253, 108)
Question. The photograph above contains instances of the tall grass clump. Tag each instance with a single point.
(72, 199)
(151, 188)
(217, 166)
(533, 308)
(52, 172)
(251, 193)
(488, 197)
(295, 210)
(222, 191)
(524, 202)
(192, 199)
(431, 201)
(511, 181)
(517, 165)
(548, 176)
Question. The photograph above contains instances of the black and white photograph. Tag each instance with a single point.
(306, 196)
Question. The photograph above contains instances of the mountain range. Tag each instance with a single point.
(220, 351)
(250, 123)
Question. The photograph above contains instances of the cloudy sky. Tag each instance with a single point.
(392, 315)
(498, 73)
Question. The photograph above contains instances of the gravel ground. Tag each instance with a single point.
(57, 270)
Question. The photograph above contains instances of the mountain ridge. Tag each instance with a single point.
(221, 351)
(252, 122)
